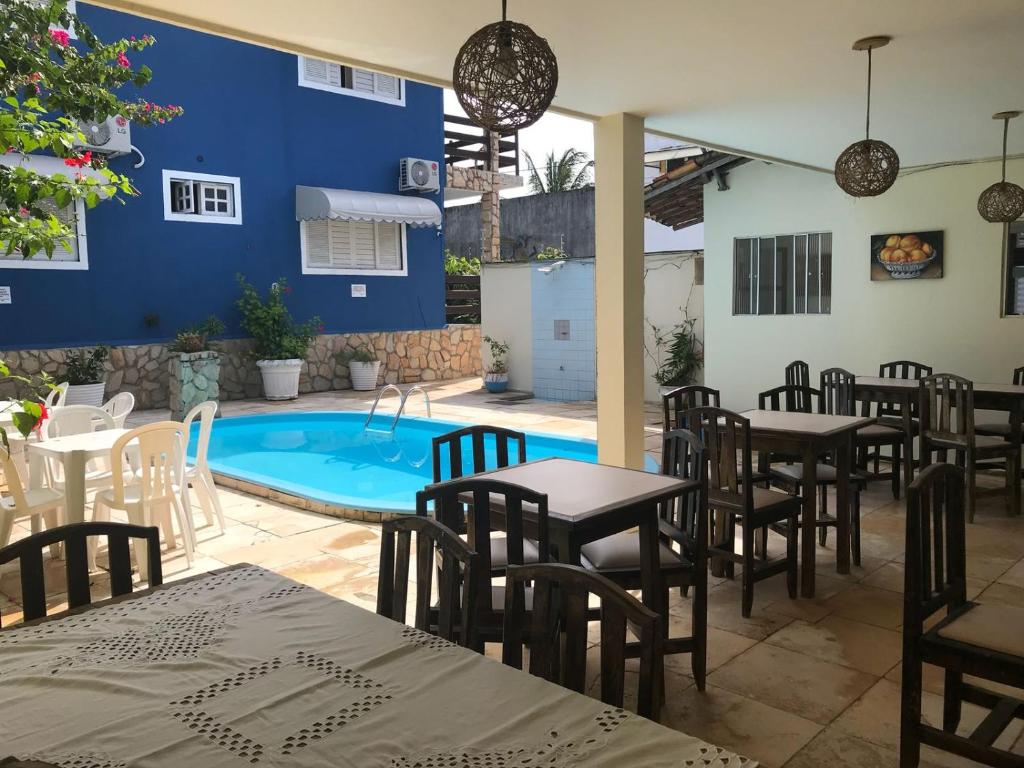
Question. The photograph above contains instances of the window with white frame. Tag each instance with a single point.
(71, 254)
(328, 76)
(335, 247)
(783, 275)
(201, 197)
(71, 9)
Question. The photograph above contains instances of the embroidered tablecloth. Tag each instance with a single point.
(247, 668)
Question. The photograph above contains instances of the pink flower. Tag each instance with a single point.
(132, 38)
(35, 77)
(60, 37)
(23, 212)
(321, 328)
(122, 60)
(80, 176)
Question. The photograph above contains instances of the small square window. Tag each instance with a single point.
(199, 197)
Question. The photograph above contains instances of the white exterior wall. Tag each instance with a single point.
(953, 323)
(507, 315)
(668, 291)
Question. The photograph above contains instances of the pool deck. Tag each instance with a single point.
(801, 683)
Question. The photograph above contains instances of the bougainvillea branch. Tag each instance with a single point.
(49, 81)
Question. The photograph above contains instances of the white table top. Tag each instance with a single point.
(94, 444)
(798, 423)
(245, 667)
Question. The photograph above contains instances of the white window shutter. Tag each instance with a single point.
(387, 86)
(321, 72)
(363, 81)
(318, 245)
(364, 245)
(389, 246)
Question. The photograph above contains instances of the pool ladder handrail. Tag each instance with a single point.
(401, 405)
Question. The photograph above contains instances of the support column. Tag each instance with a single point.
(619, 285)
(490, 206)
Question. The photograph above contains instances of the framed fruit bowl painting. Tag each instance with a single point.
(907, 256)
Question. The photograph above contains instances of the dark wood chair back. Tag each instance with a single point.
(837, 392)
(75, 540)
(1018, 376)
(724, 433)
(484, 447)
(899, 369)
(676, 403)
(798, 373)
(683, 456)
(935, 570)
(560, 603)
(790, 397)
(478, 506)
(946, 406)
(457, 578)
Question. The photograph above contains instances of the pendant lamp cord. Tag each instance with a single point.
(1006, 127)
(867, 121)
(504, 10)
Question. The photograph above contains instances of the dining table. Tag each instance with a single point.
(242, 666)
(810, 436)
(74, 452)
(588, 501)
(1008, 398)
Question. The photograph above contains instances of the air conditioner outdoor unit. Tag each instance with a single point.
(112, 136)
(419, 175)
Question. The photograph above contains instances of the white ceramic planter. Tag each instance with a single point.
(86, 394)
(280, 378)
(364, 375)
(496, 382)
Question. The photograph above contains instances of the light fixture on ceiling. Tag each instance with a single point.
(868, 167)
(505, 75)
(1003, 202)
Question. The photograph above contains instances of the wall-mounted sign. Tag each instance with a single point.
(358, 291)
(5, 294)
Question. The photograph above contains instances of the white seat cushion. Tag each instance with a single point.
(995, 627)
(132, 494)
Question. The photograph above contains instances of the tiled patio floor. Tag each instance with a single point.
(801, 684)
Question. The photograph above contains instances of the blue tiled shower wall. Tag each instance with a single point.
(564, 352)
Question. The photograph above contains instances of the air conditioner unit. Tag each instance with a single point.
(112, 136)
(419, 175)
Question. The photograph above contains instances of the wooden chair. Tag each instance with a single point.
(889, 426)
(476, 449)
(676, 403)
(477, 506)
(560, 603)
(75, 539)
(1001, 428)
(734, 501)
(789, 475)
(947, 424)
(798, 374)
(977, 639)
(457, 582)
(684, 548)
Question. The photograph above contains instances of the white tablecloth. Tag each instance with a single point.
(247, 668)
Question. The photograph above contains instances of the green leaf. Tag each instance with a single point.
(24, 422)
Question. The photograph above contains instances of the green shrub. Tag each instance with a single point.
(83, 366)
(276, 335)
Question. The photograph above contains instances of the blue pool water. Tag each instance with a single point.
(328, 457)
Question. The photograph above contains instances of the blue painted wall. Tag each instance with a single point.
(246, 116)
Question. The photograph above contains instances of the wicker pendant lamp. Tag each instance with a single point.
(505, 75)
(1003, 202)
(868, 167)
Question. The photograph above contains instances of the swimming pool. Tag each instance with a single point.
(330, 458)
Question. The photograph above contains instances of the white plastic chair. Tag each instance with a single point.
(155, 488)
(120, 407)
(55, 397)
(36, 503)
(76, 420)
(198, 474)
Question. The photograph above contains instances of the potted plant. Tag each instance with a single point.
(194, 367)
(280, 345)
(85, 375)
(685, 355)
(363, 368)
(496, 375)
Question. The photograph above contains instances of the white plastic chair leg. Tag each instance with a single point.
(206, 478)
(6, 526)
(185, 522)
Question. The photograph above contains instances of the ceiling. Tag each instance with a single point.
(775, 79)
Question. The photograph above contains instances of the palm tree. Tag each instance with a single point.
(570, 171)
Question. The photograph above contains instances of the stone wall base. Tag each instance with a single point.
(452, 352)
